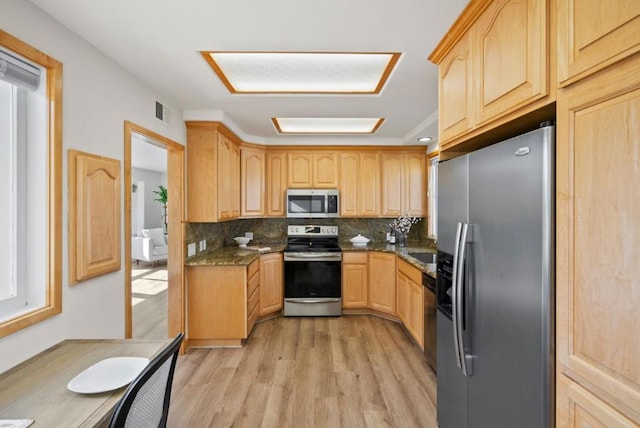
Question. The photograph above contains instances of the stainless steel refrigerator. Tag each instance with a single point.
(495, 287)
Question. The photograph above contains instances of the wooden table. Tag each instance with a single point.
(37, 388)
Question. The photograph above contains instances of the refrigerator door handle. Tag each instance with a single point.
(466, 370)
(454, 297)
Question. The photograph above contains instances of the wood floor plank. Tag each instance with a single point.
(350, 371)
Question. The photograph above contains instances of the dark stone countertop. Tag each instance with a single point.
(231, 256)
(236, 256)
(402, 252)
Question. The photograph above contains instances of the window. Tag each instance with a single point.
(30, 182)
(433, 195)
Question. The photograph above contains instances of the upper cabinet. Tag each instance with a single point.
(276, 184)
(359, 184)
(404, 184)
(494, 67)
(252, 186)
(213, 172)
(308, 170)
(595, 34)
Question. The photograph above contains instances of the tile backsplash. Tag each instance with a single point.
(274, 230)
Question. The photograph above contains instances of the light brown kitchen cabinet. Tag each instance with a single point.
(455, 100)
(276, 184)
(354, 279)
(213, 172)
(404, 184)
(598, 247)
(496, 64)
(359, 184)
(222, 303)
(595, 34)
(253, 177)
(271, 283)
(511, 59)
(382, 282)
(309, 170)
(410, 300)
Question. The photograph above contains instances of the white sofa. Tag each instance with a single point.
(150, 247)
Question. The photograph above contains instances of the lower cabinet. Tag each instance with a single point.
(222, 303)
(382, 282)
(355, 280)
(271, 283)
(410, 300)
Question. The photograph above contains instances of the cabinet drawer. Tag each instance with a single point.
(411, 272)
(253, 283)
(252, 301)
(251, 320)
(354, 257)
(253, 268)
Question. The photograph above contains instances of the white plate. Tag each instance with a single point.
(107, 375)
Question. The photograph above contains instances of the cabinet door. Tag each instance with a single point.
(202, 190)
(456, 91)
(416, 311)
(253, 176)
(276, 186)
(382, 282)
(369, 184)
(598, 235)
(402, 298)
(594, 34)
(392, 177)
(415, 184)
(234, 181)
(577, 408)
(349, 184)
(354, 280)
(510, 51)
(325, 170)
(271, 283)
(300, 170)
(224, 175)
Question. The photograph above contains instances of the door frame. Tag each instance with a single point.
(175, 229)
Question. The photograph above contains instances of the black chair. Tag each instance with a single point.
(146, 401)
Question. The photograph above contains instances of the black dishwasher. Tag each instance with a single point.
(430, 339)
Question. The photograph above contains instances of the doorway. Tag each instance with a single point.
(156, 276)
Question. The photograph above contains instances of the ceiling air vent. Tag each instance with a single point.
(162, 113)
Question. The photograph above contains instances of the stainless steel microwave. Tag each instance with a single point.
(312, 203)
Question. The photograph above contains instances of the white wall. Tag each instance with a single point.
(153, 210)
(98, 96)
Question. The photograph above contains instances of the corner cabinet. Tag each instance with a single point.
(598, 249)
(495, 65)
(382, 282)
(213, 173)
(404, 184)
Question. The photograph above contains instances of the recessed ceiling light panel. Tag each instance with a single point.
(299, 72)
(327, 125)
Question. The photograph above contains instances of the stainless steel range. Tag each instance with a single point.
(312, 271)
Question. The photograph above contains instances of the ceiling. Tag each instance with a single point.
(160, 42)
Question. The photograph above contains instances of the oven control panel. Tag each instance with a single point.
(310, 230)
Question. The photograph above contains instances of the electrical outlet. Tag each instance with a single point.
(248, 235)
(191, 249)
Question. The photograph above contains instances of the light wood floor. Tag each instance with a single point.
(351, 371)
(149, 299)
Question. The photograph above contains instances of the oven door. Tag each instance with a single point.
(312, 284)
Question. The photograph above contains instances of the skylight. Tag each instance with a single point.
(327, 125)
(302, 73)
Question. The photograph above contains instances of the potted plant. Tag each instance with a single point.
(163, 197)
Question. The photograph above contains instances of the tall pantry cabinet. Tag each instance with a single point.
(598, 214)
